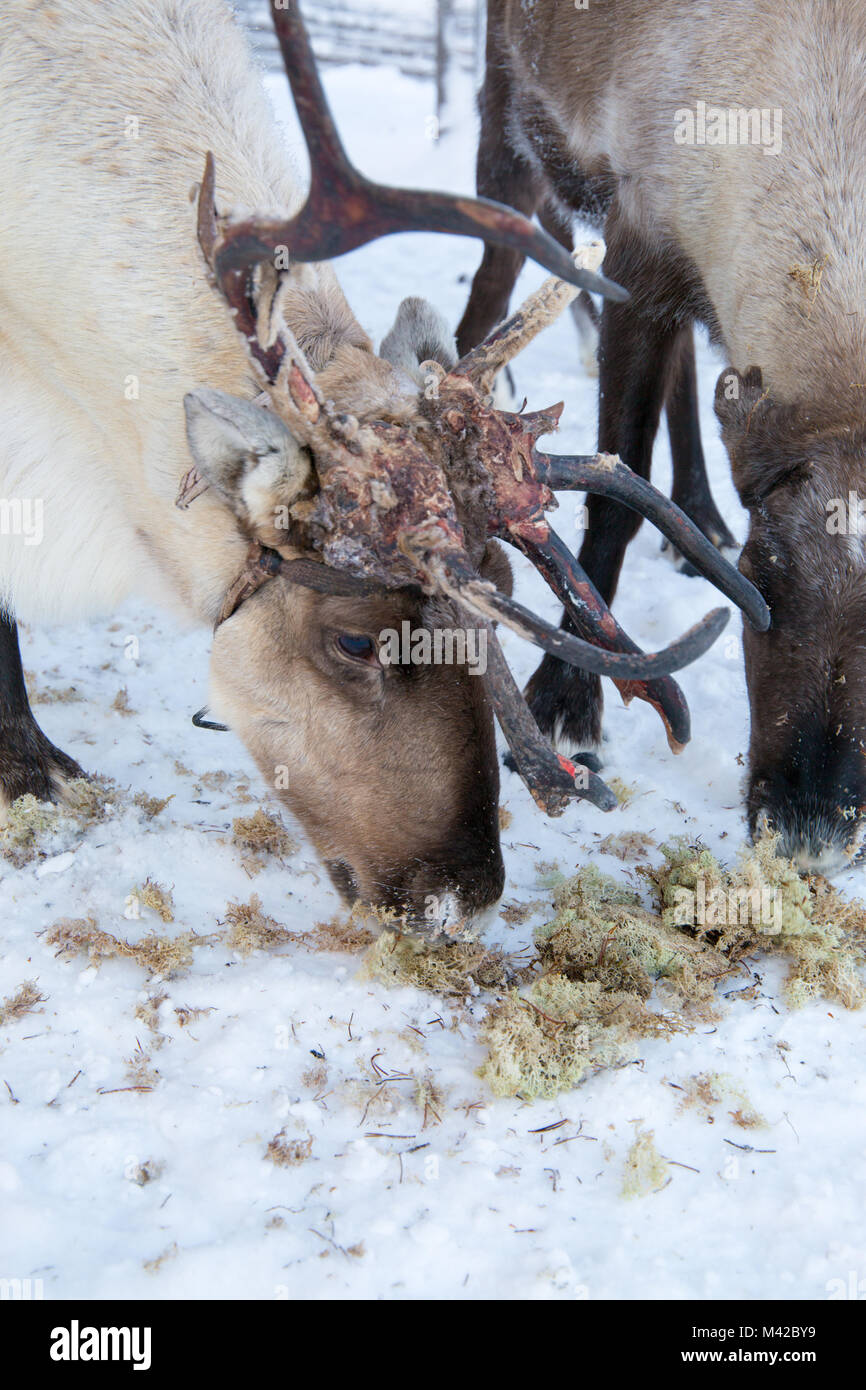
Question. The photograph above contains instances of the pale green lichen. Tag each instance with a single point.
(645, 1169)
(602, 932)
(613, 969)
(35, 829)
(604, 954)
(549, 1039)
(454, 968)
(763, 905)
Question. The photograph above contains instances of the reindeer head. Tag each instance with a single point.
(373, 493)
(798, 472)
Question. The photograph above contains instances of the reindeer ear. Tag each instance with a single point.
(247, 455)
(420, 334)
(495, 566)
(737, 395)
(768, 444)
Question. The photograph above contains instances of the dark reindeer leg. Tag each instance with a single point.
(502, 174)
(29, 762)
(691, 488)
(636, 358)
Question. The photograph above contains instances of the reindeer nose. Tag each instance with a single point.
(813, 851)
(819, 835)
(814, 798)
(452, 900)
(477, 882)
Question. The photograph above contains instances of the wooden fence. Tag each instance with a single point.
(427, 39)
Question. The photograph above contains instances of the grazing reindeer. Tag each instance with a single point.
(334, 493)
(723, 149)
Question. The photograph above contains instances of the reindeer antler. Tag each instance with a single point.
(386, 513)
(344, 210)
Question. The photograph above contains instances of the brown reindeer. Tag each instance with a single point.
(335, 494)
(723, 150)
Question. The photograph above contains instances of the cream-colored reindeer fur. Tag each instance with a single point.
(106, 317)
(117, 360)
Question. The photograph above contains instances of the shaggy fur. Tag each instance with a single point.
(106, 318)
(610, 79)
(768, 250)
(107, 322)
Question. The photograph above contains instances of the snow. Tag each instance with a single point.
(489, 1202)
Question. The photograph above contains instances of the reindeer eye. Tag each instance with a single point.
(358, 648)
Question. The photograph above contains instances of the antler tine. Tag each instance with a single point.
(593, 619)
(482, 363)
(233, 282)
(344, 210)
(324, 579)
(553, 781)
(608, 476)
(481, 597)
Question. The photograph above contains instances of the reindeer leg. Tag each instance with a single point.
(635, 363)
(29, 762)
(504, 175)
(691, 489)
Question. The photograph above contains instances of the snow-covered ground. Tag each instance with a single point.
(168, 1192)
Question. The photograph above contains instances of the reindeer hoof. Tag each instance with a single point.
(31, 765)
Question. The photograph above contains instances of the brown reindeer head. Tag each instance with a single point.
(372, 491)
(798, 474)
